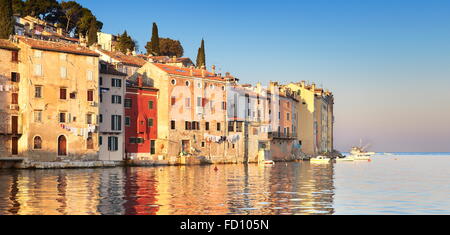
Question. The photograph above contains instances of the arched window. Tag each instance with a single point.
(37, 142)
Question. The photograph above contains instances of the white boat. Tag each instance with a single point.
(358, 154)
(269, 162)
(345, 159)
(320, 159)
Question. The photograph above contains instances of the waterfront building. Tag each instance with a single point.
(58, 100)
(316, 120)
(125, 63)
(191, 112)
(10, 118)
(111, 120)
(106, 41)
(141, 120)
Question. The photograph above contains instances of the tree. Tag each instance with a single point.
(92, 35)
(153, 47)
(72, 14)
(167, 47)
(44, 9)
(6, 19)
(84, 23)
(125, 43)
(201, 56)
(18, 7)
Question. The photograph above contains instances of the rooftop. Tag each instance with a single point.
(8, 45)
(174, 70)
(125, 59)
(57, 46)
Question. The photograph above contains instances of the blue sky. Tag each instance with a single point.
(387, 62)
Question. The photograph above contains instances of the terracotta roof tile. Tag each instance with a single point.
(187, 72)
(58, 47)
(107, 68)
(125, 59)
(6, 44)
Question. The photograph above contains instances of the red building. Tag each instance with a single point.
(141, 123)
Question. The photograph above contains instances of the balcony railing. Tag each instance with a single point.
(9, 130)
(282, 135)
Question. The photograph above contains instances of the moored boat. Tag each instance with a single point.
(320, 159)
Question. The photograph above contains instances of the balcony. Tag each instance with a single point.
(10, 130)
(282, 136)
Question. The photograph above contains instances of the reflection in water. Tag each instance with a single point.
(293, 188)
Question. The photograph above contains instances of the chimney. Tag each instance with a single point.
(174, 59)
(59, 31)
(213, 69)
(191, 71)
(203, 71)
(313, 87)
(303, 84)
(139, 78)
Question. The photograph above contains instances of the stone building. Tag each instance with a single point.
(111, 120)
(141, 120)
(10, 119)
(58, 100)
(192, 116)
(316, 120)
(125, 63)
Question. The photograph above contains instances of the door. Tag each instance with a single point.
(186, 145)
(62, 146)
(14, 124)
(15, 146)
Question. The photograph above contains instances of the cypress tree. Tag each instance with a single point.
(92, 34)
(201, 55)
(154, 44)
(6, 19)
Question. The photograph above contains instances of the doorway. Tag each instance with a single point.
(14, 124)
(62, 146)
(14, 146)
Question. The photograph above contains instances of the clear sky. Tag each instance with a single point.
(387, 61)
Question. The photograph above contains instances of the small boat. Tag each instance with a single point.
(269, 162)
(358, 154)
(345, 159)
(320, 159)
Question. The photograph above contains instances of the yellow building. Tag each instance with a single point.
(58, 100)
(9, 93)
(316, 120)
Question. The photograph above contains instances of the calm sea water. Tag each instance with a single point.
(395, 184)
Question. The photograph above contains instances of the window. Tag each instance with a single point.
(62, 93)
(150, 105)
(37, 143)
(288, 116)
(187, 125)
(89, 118)
(116, 122)
(173, 82)
(90, 95)
(239, 126)
(100, 118)
(127, 121)
(73, 95)
(63, 72)
(15, 56)
(62, 117)
(90, 60)
(38, 70)
(136, 140)
(128, 103)
(90, 142)
(199, 102)
(15, 77)
(224, 105)
(100, 140)
(172, 125)
(188, 102)
(203, 144)
(231, 126)
(152, 147)
(173, 100)
(37, 54)
(38, 116)
(113, 143)
(100, 80)
(218, 126)
(116, 82)
(207, 126)
(150, 122)
(188, 83)
(90, 75)
(14, 98)
(116, 99)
